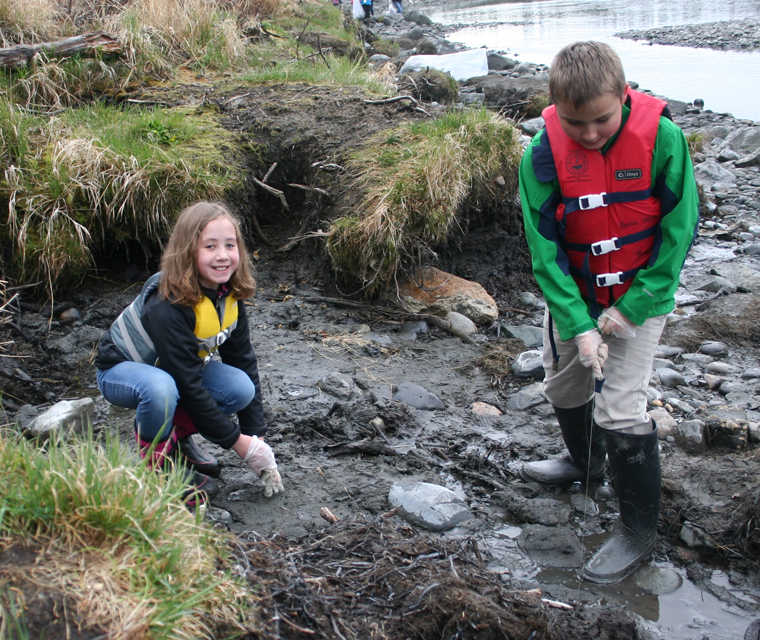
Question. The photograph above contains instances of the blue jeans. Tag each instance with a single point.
(153, 392)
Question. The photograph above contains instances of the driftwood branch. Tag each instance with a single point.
(391, 100)
(438, 321)
(86, 44)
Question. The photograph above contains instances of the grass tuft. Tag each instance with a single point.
(115, 537)
(421, 183)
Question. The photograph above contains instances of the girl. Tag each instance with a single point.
(185, 339)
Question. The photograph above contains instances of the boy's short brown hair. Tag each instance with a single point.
(583, 71)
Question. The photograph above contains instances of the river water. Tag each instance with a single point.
(534, 31)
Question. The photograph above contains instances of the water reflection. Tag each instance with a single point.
(537, 30)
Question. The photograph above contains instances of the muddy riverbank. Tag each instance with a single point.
(342, 386)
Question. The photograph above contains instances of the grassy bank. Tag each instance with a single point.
(88, 526)
(422, 184)
(86, 170)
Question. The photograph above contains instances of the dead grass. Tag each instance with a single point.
(29, 20)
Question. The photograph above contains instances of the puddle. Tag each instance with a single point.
(684, 611)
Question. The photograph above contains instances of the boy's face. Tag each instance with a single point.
(594, 122)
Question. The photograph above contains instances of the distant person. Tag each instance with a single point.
(181, 353)
(397, 6)
(368, 9)
(610, 210)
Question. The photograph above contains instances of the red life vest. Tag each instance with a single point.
(608, 217)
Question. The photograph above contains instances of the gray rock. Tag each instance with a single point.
(698, 358)
(658, 580)
(713, 348)
(663, 363)
(527, 397)
(712, 176)
(378, 59)
(751, 374)
(720, 368)
(460, 324)
(693, 535)
(416, 396)
(66, 414)
(429, 505)
(498, 62)
(528, 298)
(530, 336)
(583, 504)
(529, 364)
(665, 422)
(717, 283)
(690, 436)
(670, 377)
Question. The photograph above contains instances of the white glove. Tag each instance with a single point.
(592, 352)
(272, 482)
(260, 459)
(613, 322)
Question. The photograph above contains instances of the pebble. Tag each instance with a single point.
(658, 580)
(416, 396)
(529, 364)
(670, 377)
(713, 348)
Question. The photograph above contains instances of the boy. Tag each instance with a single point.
(610, 210)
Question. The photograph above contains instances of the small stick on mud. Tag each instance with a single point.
(274, 192)
(303, 187)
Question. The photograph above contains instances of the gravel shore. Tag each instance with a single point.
(741, 35)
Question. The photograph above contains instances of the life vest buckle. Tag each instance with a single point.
(609, 279)
(592, 201)
(605, 246)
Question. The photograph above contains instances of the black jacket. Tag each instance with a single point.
(171, 328)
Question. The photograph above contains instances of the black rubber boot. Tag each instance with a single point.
(583, 461)
(635, 466)
(192, 455)
(200, 488)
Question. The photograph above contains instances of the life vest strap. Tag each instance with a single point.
(606, 279)
(603, 199)
(601, 247)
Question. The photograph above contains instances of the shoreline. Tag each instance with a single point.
(730, 37)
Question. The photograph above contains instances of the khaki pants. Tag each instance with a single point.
(622, 402)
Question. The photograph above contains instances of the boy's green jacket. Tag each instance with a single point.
(653, 289)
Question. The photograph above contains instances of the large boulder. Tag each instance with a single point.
(437, 292)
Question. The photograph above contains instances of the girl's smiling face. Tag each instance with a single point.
(217, 256)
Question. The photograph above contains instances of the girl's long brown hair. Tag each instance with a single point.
(179, 273)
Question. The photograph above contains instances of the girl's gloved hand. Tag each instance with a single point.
(612, 322)
(592, 352)
(260, 459)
